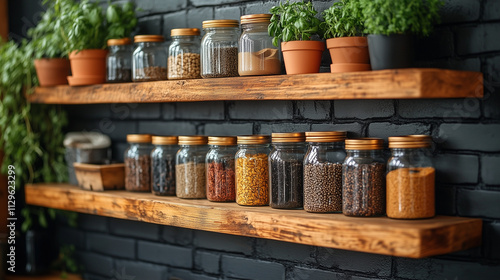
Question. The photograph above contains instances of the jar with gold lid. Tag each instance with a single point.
(220, 168)
(163, 165)
(149, 59)
(119, 61)
(219, 48)
(190, 174)
(184, 54)
(138, 163)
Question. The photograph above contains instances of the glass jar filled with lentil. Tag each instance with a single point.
(252, 170)
(410, 178)
(219, 48)
(220, 168)
(184, 54)
(363, 178)
(119, 61)
(149, 60)
(190, 167)
(286, 170)
(138, 163)
(163, 165)
(323, 171)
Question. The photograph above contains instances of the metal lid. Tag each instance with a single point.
(185, 32)
(256, 18)
(139, 138)
(220, 23)
(292, 137)
(193, 140)
(119, 42)
(326, 136)
(410, 141)
(364, 144)
(164, 140)
(148, 38)
(222, 140)
(254, 139)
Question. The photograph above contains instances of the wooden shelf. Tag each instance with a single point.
(404, 238)
(384, 84)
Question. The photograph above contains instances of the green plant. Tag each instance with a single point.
(341, 20)
(121, 20)
(47, 43)
(66, 261)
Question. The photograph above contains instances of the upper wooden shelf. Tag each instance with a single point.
(381, 235)
(384, 84)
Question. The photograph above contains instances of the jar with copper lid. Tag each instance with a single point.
(163, 165)
(220, 168)
(149, 60)
(410, 178)
(184, 54)
(252, 170)
(323, 171)
(138, 163)
(219, 48)
(190, 167)
(119, 61)
(257, 55)
(363, 178)
(286, 170)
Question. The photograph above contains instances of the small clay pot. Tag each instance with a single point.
(349, 50)
(88, 66)
(52, 71)
(302, 57)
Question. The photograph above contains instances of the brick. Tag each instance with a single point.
(166, 128)
(159, 6)
(491, 103)
(456, 169)
(446, 197)
(150, 25)
(440, 108)
(477, 38)
(321, 6)
(70, 236)
(261, 110)
(384, 130)
(260, 7)
(196, 16)
(314, 110)
(94, 111)
(96, 263)
(285, 251)
(251, 268)
(228, 13)
(455, 63)
(478, 203)
(223, 242)
(197, 3)
(134, 229)
(477, 137)
(122, 111)
(489, 169)
(173, 21)
(223, 129)
(363, 109)
(491, 240)
(93, 222)
(304, 273)
(283, 127)
(117, 130)
(491, 10)
(182, 274)
(145, 111)
(140, 270)
(439, 44)
(211, 110)
(207, 262)
(176, 235)
(165, 254)
(111, 245)
(354, 130)
(460, 11)
(168, 111)
(355, 261)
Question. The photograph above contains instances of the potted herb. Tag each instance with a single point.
(295, 24)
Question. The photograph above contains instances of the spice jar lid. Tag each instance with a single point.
(364, 144)
(326, 136)
(193, 140)
(185, 32)
(222, 140)
(148, 38)
(139, 138)
(292, 137)
(254, 139)
(164, 140)
(119, 42)
(410, 141)
(256, 18)
(220, 23)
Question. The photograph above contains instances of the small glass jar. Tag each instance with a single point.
(252, 170)
(190, 167)
(323, 171)
(149, 60)
(184, 54)
(286, 170)
(163, 165)
(220, 169)
(138, 163)
(257, 55)
(219, 49)
(119, 61)
(410, 178)
(363, 178)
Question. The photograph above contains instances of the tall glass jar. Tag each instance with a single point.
(138, 163)
(257, 55)
(163, 165)
(363, 177)
(190, 167)
(252, 170)
(119, 61)
(323, 171)
(220, 168)
(410, 178)
(149, 60)
(219, 49)
(286, 170)
(184, 54)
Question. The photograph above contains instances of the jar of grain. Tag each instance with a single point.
(219, 49)
(252, 170)
(220, 168)
(323, 171)
(138, 163)
(363, 178)
(149, 60)
(184, 54)
(119, 61)
(257, 55)
(190, 167)
(163, 165)
(410, 178)
(286, 170)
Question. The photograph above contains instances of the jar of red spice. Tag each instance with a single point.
(220, 168)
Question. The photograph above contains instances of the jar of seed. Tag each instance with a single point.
(323, 171)
(184, 54)
(163, 165)
(190, 167)
(220, 168)
(119, 61)
(138, 163)
(219, 49)
(363, 178)
(149, 60)
(410, 178)
(252, 170)
(286, 170)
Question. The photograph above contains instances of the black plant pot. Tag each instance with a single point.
(391, 52)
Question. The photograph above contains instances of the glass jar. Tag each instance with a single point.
(410, 178)
(184, 54)
(220, 168)
(149, 60)
(138, 163)
(163, 165)
(323, 171)
(257, 55)
(363, 178)
(219, 49)
(286, 170)
(119, 61)
(252, 170)
(190, 167)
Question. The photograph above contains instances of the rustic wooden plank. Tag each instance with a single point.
(385, 84)
(414, 239)
(4, 20)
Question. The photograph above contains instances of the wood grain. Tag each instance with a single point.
(414, 239)
(4, 20)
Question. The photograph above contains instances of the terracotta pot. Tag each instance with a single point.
(347, 50)
(349, 67)
(88, 66)
(52, 71)
(302, 57)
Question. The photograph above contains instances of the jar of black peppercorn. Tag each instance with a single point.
(184, 54)
(190, 176)
(363, 178)
(220, 168)
(219, 49)
(138, 163)
(163, 165)
(149, 60)
(119, 61)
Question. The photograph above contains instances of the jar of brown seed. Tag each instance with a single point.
(190, 177)
(149, 60)
(137, 160)
(219, 48)
(184, 54)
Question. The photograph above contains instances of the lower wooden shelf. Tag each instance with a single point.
(381, 235)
